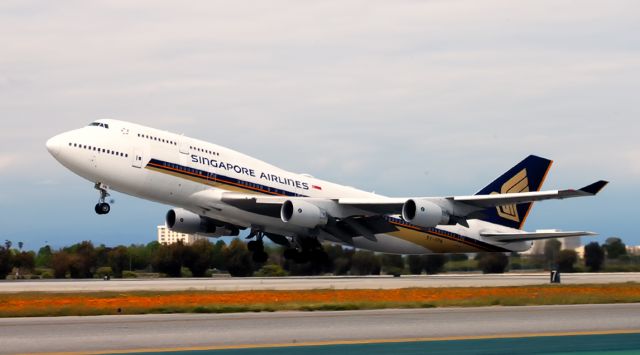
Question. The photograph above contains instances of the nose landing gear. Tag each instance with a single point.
(102, 207)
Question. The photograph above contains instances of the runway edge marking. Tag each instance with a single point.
(345, 342)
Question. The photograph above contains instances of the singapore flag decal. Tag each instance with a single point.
(316, 187)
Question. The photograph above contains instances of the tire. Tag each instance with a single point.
(302, 257)
(260, 257)
(290, 254)
(255, 246)
(104, 208)
(97, 209)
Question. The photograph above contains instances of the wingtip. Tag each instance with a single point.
(595, 187)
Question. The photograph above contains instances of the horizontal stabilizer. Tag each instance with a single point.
(528, 236)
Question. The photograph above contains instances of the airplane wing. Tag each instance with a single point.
(473, 203)
(495, 200)
(461, 206)
(527, 236)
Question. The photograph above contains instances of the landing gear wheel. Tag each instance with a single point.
(290, 253)
(255, 246)
(260, 257)
(102, 208)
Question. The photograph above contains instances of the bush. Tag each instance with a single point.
(393, 264)
(493, 263)
(566, 259)
(129, 275)
(237, 259)
(271, 270)
(593, 256)
(365, 263)
(104, 271)
(46, 275)
(185, 272)
(434, 264)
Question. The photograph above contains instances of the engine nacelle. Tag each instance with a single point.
(303, 214)
(424, 213)
(183, 221)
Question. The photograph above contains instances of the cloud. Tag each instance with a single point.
(6, 161)
(366, 93)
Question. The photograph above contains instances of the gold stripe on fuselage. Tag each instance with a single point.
(433, 242)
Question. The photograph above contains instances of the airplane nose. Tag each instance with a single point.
(53, 145)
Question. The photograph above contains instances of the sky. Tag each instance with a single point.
(404, 98)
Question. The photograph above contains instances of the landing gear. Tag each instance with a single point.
(259, 256)
(102, 207)
(308, 250)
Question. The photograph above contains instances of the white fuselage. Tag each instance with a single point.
(189, 173)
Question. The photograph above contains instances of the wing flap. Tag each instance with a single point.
(537, 235)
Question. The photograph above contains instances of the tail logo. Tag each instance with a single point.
(518, 183)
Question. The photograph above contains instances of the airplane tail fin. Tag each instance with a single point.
(527, 176)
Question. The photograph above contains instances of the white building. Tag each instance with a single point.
(572, 243)
(167, 236)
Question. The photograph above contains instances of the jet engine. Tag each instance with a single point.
(303, 214)
(183, 221)
(424, 213)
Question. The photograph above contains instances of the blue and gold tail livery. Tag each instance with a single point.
(528, 175)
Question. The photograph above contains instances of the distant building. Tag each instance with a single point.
(573, 243)
(167, 236)
(633, 249)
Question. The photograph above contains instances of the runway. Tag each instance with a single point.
(185, 332)
(308, 283)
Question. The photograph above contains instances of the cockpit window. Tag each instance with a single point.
(99, 124)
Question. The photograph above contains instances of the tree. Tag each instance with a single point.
(593, 256)
(24, 260)
(615, 248)
(493, 263)
(84, 259)
(566, 259)
(416, 264)
(339, 259)
(168, 259)
(458, 257)
(199, 256)
(434, 263)
(365, 263)
(118, 260)
(393, 264)
(140, 256)
(237, 259)
(43, 258)
(6, 261)
(217, 257)
(60, 263)
(551, 251)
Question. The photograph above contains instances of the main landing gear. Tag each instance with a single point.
(102, 207)
(257, 247)
(309, 249)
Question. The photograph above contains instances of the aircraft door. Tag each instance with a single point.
(137, 158)
(184, 146)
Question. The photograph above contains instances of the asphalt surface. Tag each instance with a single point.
(206, 331)
(307, 283)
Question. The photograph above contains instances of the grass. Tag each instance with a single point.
(36, 304)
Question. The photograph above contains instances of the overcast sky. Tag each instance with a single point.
(405, 98)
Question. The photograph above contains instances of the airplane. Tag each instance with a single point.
(216, 191)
